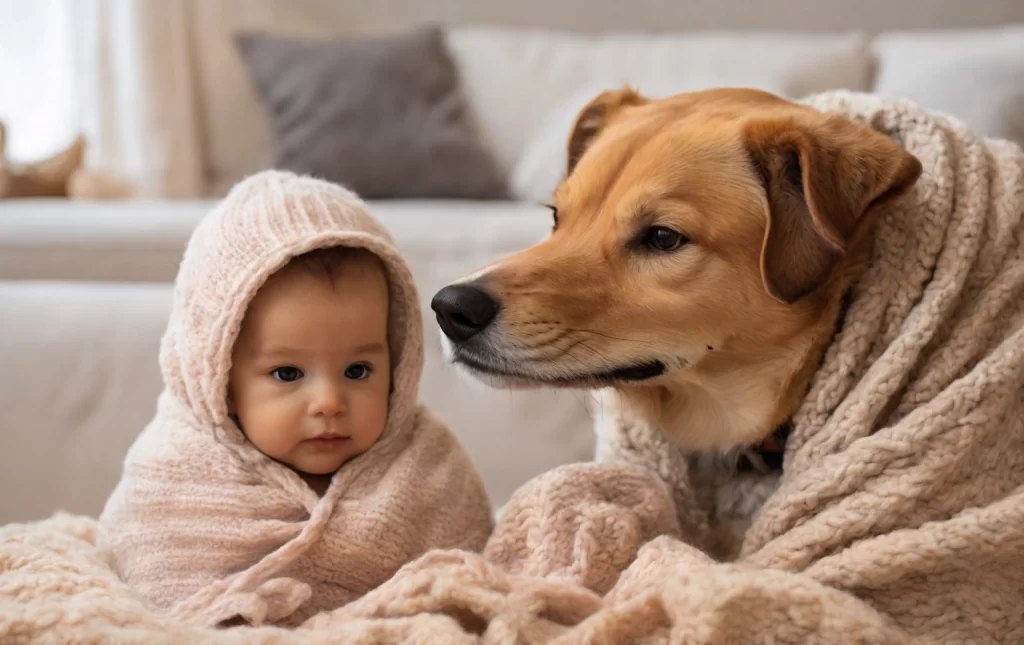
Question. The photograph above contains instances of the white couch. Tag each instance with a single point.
(85, 287)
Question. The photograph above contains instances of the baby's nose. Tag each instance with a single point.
(328, 401)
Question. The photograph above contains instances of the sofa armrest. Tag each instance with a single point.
(55, 239)
(79, 382)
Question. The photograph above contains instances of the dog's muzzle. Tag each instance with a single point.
(465, 311)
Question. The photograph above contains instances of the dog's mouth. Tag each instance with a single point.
(511, 375)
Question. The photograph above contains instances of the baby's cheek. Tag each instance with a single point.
(276, 430)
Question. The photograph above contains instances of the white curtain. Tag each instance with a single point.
(118, 71)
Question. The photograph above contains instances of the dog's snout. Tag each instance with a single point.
(463, 310)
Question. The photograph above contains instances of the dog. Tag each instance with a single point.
(701, 250)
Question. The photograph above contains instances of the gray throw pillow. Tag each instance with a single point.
(383, 115)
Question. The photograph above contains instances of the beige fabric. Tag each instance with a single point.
(899, 518)
(204, 524)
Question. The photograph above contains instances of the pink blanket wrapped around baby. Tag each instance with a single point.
(202, 523)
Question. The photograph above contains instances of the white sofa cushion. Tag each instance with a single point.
(976, 75)
(789, 65)
(516, 78)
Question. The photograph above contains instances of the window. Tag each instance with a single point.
(38, 88)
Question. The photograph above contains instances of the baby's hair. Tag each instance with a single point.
(333, 261)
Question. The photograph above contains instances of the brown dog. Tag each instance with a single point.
(701, 249)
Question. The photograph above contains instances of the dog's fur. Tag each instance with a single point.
(714, 341)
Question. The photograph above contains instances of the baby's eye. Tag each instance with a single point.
(286, 374)
(357, 372)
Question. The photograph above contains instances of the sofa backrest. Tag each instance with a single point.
(519, 62)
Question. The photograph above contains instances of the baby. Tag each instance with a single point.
(289, 468)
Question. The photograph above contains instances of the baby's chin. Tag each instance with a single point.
(325, 461)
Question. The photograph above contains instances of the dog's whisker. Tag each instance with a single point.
(581, 335)
(548, 349)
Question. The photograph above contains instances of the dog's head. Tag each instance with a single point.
(694, 237)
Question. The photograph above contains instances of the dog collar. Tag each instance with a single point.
(767, 456)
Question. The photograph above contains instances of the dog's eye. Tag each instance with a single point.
(660, 238)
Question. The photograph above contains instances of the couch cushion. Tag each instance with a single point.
(515, 78)
(384, 115)
(976, 75)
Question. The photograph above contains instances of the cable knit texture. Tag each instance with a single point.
(900, 517)
(206, 526)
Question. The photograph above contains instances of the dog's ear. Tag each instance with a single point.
(821, 176)
(593, 118)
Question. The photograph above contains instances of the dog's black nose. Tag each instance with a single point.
(463, 311)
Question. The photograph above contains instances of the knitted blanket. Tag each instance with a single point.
(899, 517)
(203, 524)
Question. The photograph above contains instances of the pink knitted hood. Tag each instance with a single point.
(263, 223)
(209, 528)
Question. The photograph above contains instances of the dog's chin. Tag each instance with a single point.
(506, 376)
(494, 380)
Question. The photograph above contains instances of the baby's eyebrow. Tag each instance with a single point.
(373, 347)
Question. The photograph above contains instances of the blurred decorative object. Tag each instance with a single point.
(61, 175)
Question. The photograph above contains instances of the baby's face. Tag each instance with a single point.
(311, 369)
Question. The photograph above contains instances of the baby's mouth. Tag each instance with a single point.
(327, 441)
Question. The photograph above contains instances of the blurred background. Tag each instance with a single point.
(123, 122)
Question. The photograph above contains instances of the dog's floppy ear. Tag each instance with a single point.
(593, 118)
(821, 176)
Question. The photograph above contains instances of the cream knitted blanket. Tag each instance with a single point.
(202, 523)
(900, 517)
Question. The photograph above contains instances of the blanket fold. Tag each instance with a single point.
(899, 517)
(206, 526)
